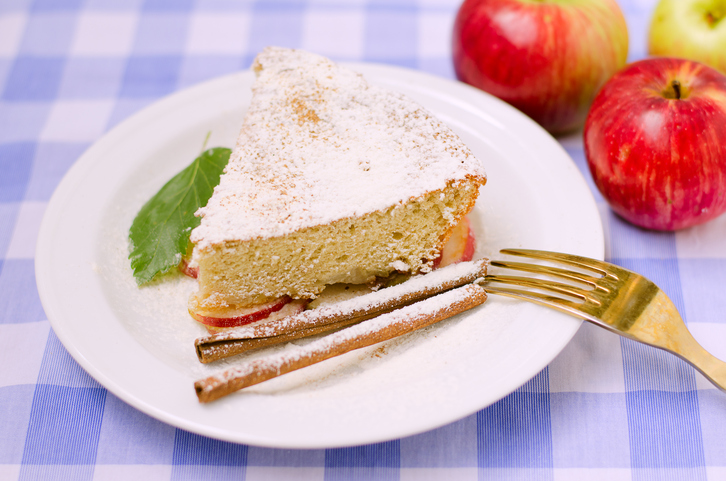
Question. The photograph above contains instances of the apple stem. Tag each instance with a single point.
(676, 86)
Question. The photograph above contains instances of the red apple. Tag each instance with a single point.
(460, 246)
(547, 58)
(655, 141)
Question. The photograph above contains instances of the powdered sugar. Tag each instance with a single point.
(314, 127)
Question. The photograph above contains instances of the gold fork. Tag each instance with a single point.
(609, 296)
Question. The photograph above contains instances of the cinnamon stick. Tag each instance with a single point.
(329, 318)
(375, 330)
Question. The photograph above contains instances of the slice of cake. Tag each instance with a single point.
(332, 180)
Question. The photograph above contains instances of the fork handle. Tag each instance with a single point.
(656, 327)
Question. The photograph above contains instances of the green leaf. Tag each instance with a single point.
(160, 232)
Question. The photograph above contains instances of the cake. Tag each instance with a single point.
(332, 180)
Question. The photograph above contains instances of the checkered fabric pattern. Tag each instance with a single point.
(70, 70)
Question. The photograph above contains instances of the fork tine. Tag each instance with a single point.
(562, 305)
(541, 284)
(568, 259)
(548, 270)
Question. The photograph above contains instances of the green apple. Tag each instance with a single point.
(691, 29)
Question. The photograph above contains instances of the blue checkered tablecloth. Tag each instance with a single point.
(605, 408)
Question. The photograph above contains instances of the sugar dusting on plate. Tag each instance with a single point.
(156, 316)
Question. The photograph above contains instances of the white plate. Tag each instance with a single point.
(138, 342)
